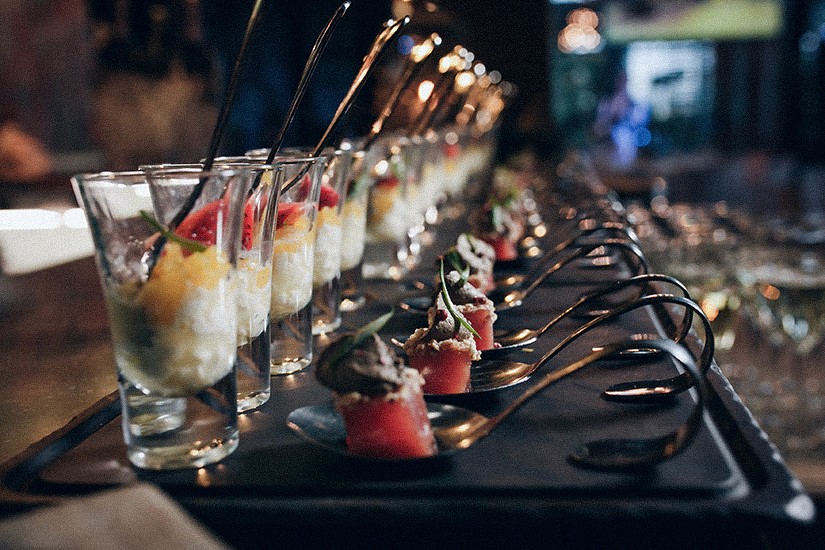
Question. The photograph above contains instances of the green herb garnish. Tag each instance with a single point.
(190, 245)
(459, 318)
(458, 264)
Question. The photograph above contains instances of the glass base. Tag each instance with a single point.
(352, 303)
(253, 372)
(183, 456)
(290, 366)
(252, 401)
(291, 348)
(326, 306)
(385, 260)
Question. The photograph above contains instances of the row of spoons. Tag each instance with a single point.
(458, 428)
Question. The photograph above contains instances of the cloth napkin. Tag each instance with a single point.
(139, 516)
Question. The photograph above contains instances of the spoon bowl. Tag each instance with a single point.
(457, 428)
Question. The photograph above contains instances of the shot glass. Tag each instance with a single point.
(255, 283)
(168, 273)
(326, 275)
(254, 271)
(354, 222)
(386, 252)
(293, 261)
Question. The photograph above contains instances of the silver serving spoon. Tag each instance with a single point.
(389, 32)
(510, 292)
(513, 339)
(516, 296)
(309, 68)
(457, 428)
(494, 374)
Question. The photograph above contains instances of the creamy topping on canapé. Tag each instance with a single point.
(476, 253)
(441, 327)
(370, 368)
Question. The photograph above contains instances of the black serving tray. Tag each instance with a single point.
(515, 488)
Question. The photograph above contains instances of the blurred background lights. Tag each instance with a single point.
(425, 89)
(580, 35)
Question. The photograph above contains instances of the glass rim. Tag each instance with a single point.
(333, 151)
(109, 175)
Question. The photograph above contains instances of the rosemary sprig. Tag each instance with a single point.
(459, 318)
(188, 244)
(458, 264)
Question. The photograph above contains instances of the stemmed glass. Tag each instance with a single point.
(783, 280)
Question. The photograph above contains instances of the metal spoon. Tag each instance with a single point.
(515, 297)
(457, 428)
(309, 68)
(508, 292)
(585, 229)
(151, 256)
(513, 339)
(495, 374)
(391, 29)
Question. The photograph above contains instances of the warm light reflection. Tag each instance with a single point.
(580, 35)
(425, 90)
(381, 168)
(463, 81)
(203, 479)
(32, 218)
(770, 292)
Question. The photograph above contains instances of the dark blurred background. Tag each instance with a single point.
(720, 99)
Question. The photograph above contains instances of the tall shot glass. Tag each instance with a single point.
(293, 261)
(172, 304)
(386, 253)
(354, 221)
(326, 275)
(254, 271)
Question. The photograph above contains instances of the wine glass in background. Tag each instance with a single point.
(783, 280)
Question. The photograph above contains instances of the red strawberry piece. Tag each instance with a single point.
(388, 428)
(201, 225)
(452, 150)
(306, 183)
(329, 196)
(288, 213)
(388, 182)
(248, 232)
(505, 249)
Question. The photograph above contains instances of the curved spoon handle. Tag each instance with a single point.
(516, 297)
(621, 453)
(215, 140)
(378, 45)
(309, 69)
(643, 281)
(643, 453)
(618, 229)
(647, 391)
(652, 389)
